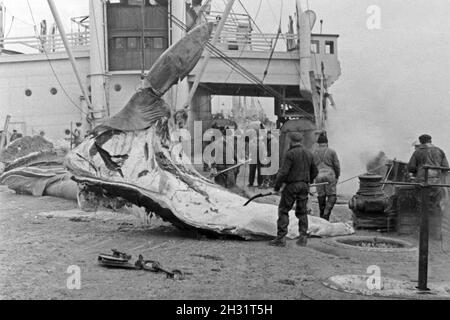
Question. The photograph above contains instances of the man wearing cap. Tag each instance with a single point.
(297, 172)
(77, 136)
(15, 135)
(428, 154)
(327, 163)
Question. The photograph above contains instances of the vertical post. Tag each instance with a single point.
(68, 49)
(207, 54)
(2, 27)
(4, 136)
(321, 111)
(143, 40)
(97, 61)
(304, 27)
(169, 8)
(424, 233)
(179, 92)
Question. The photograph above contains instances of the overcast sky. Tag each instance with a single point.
(395, 81)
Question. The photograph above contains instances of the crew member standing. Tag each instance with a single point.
(253, 146)
(77, 135)
(428, 154)
(297, 172)
(228, 178)
(327, 163)
(15, 135)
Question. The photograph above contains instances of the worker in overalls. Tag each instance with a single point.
(296, 173)
(327, 163)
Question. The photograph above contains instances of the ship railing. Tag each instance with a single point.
(238, 34)
(47, 43)
(234, 19)
(249, 41)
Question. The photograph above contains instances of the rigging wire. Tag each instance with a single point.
(259, 9)
(243, 47)
(266, 71)
(316, 67)
(233, 14)
(272, 11)
(51, 66)
(10, 27)
(246, 74)
(17, 18)
(254, 20)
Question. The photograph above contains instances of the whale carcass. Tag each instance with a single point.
(131, 159)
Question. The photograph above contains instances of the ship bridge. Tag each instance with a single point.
(276, 54)
(273, 59)
(259, 64)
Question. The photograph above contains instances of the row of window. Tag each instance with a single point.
(28, 92)
(54, 91)
(122, 43)
(135, 2)
(329, 47)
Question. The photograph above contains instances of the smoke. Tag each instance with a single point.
(361, 127)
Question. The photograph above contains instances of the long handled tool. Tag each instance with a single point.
(262, 195)
(230, 168)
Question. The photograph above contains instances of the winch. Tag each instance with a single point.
(370, 205)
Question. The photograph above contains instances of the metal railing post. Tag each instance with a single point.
(424, 235)
(425, 189)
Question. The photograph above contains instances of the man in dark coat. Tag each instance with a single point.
(297, 172)
(428, 154)
(228, 178)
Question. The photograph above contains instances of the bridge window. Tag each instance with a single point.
(158, 43)
(119, 43)
(132, 43)
(329, 47)
(315, 46)
(148, 43)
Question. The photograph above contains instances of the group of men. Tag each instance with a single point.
(14, 136)
(225, 174)
(300, 168)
